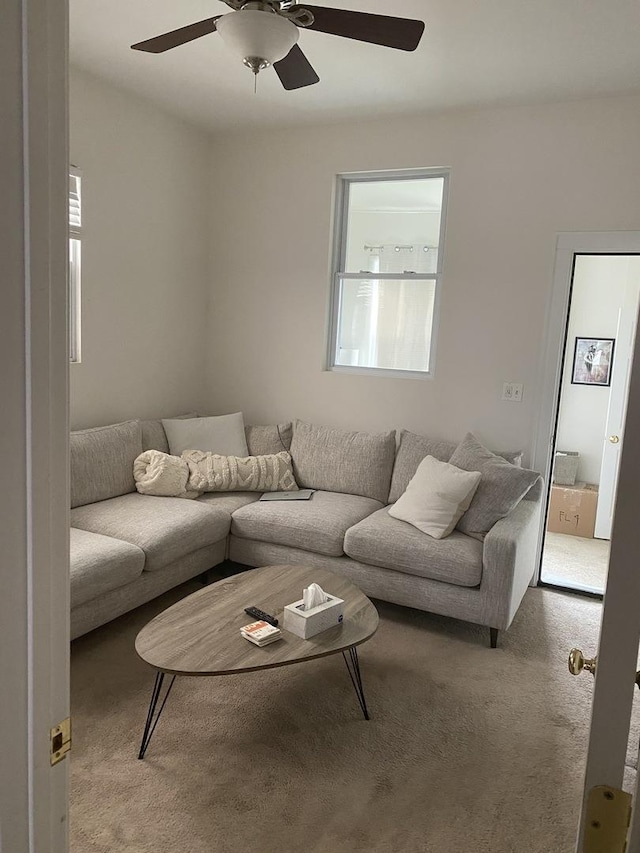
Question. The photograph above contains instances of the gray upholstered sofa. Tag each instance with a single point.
(127, 548)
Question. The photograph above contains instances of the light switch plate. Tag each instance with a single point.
(512, 391)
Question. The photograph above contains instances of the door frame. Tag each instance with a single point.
(34, 509)
(553, 351)
(617, 408)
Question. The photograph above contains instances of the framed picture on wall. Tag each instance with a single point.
(592, 361)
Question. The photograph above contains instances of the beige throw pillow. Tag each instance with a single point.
(502, 487)
(436, 498)
(210, 472)
(413, 449)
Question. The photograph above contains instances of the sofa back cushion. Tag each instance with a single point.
(414, 448)
(335, 460)
(153, 435)
(102, 462)
(268, 439)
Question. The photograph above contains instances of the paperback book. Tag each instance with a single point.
(261, 633)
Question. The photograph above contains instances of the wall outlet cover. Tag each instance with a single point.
(512, 391)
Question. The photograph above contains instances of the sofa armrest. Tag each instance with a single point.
(509, 561)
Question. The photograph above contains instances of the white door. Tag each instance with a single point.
(612, 440)
(620, 630)
(618, 651)
(34, 649)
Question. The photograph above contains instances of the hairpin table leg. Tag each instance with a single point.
(353, 668)
(152, 716)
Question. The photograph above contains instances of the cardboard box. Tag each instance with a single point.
(572, 510)
(307, 623)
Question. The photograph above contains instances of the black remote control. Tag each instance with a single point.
(260, 614)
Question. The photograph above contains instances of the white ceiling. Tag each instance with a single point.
(473, 52)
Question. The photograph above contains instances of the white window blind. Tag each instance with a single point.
(75, 211)
(75, 238)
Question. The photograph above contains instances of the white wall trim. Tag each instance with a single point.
(34, 559)
(568, 245)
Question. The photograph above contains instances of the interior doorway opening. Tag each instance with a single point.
(588, 435)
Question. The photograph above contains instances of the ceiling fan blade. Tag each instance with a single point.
(177, 37)
(295, 70)
(401, 33)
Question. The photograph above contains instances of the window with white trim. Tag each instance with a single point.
(387, 270)
(75, 238)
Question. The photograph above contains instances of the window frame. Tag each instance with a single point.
(75, 279)
(344, 181)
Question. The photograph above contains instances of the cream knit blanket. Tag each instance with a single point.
(162, 475)
(159, 474)
(210, 472)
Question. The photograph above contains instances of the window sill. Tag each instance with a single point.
(385, 373)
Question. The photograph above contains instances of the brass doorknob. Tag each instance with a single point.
(614, 439)
(578, 662)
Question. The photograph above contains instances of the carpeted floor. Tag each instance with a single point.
(574, 561)
(469, 749)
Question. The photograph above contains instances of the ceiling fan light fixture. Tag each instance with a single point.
(259, 37)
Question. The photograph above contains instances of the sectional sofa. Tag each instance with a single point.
(127, 548)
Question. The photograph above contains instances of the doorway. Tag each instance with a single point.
(587, 437)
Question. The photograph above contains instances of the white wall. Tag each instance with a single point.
(599, 287)
(519, 176)
(144, 256)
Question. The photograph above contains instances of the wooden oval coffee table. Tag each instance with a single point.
(200, 635)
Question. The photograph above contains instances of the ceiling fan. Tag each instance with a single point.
(266, 33)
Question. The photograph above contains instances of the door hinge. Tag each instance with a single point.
(607, 822)
(60, 740)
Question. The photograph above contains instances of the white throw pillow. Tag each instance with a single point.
(224, 435)
(436, 498)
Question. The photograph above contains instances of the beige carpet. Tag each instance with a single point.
(469, 749)
(574, 561)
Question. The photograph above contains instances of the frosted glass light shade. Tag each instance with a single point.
(252, 33)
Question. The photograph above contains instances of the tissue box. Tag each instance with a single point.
(308, 623)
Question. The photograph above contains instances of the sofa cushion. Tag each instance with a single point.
(381, 540)
(502, 486)
(100, 564)
(437, 496)
(165, 528)
(102, 462)
(271, 438)
(153, 435)
(223, 434)
(228, 501)
(335, 460)
(414, 448)
(318, 524)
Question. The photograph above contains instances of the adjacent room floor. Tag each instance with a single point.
(575, 562)
(468, 748)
